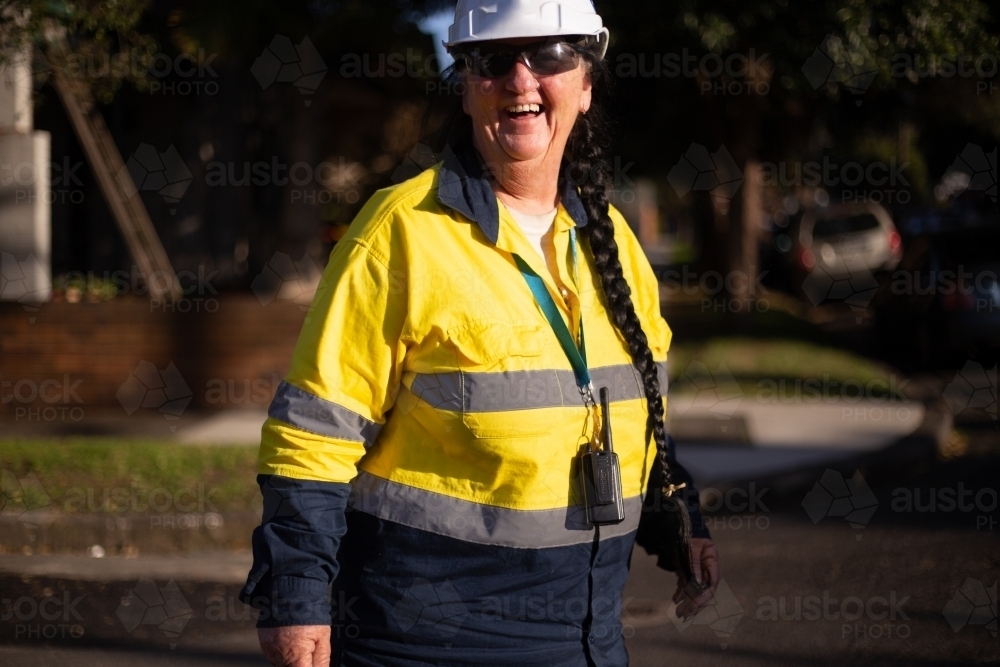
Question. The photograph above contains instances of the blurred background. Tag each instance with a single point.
(815, 185)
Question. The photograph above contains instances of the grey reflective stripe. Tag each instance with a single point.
(518, 390)
(523, 390)
(483, 524)
(309, 412)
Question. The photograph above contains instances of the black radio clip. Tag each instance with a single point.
(600, 476)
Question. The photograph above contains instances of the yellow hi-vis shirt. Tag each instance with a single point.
(427, 376)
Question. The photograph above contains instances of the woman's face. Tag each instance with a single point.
(506, 133)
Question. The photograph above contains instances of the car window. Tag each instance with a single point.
(848, 225)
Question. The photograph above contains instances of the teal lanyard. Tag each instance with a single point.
(577, 355)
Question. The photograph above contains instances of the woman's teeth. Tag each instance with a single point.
(523, 108)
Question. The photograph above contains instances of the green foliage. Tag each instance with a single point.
(831, 76)
(879, 35)
(903, 38)
(106, 49)
(78, 287)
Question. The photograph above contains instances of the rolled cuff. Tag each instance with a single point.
(292, 601)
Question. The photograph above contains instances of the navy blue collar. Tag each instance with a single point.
(463, 186)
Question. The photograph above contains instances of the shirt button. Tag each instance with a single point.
(564, 292)
(592, 639)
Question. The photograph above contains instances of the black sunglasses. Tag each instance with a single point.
(542, 58)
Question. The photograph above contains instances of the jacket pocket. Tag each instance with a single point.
(485, 342)
(500, 390)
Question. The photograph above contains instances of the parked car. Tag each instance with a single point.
(843, 238)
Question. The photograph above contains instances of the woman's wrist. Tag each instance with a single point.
(293, 601)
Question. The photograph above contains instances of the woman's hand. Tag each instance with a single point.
(705, 565)
(296, 645)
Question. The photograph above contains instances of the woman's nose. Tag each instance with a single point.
(521, 79)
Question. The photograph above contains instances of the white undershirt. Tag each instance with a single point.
(538, 229)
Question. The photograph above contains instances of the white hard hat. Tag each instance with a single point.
(481, 20)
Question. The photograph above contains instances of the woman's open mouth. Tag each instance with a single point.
(518, 111)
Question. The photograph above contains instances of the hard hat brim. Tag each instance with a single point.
(602, 36)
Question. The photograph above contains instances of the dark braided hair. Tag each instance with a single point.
(589, 168)
(667, 533)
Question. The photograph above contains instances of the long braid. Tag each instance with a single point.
(589, 168)
(669, 533)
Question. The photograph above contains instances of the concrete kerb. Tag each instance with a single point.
(878, 467)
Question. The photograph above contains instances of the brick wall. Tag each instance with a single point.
(229, 352)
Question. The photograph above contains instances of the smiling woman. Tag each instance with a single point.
(437, 451)
(524, 96)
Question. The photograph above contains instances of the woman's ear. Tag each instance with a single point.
(587, 94)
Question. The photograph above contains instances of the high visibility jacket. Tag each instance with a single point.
(432, 416)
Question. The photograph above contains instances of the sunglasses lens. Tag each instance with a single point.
(496, 64)
(546, 59)
(553, 59)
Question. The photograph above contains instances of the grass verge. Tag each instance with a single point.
(119, 475)
(783, 367)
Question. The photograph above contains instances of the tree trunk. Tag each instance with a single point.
(744, 257)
